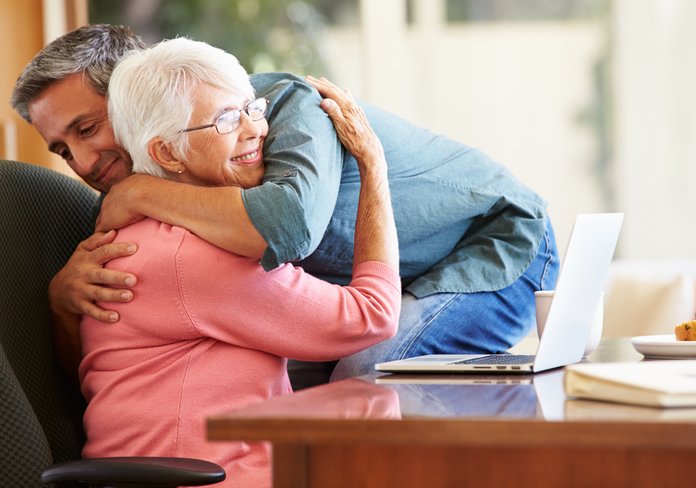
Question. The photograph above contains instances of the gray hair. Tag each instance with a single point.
(151, 94)
(91, 50)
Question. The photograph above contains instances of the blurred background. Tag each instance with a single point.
(589, 102)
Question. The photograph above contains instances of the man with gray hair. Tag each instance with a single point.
(474, 242)
(80, 63)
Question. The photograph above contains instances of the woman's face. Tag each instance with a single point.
(233, 159)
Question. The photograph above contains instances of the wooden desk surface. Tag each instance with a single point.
(404, 427)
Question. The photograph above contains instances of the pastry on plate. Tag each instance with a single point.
(686, 331)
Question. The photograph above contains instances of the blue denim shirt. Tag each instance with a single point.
(464, 223)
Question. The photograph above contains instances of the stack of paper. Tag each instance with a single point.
(653, 383)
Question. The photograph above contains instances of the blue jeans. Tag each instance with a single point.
(444, 323)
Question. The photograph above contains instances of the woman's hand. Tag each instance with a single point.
(375, 231)
(352, 126)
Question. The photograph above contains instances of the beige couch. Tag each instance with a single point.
(645, 297)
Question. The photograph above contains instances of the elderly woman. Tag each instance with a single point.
(208, 330)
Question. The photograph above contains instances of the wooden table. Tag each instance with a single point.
(457, 431)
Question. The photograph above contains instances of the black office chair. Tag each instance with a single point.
(43, 216)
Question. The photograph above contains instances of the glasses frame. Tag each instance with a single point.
(244, 109)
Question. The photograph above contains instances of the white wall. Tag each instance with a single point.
(655, 83)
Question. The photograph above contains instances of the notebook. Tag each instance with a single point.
(578, 289)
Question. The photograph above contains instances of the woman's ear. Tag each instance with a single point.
(160, 153)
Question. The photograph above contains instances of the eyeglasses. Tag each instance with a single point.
(229, 121)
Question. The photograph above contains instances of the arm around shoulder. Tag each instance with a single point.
(216, 214)
(375, 229)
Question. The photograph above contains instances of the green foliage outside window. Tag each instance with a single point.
(265, 35)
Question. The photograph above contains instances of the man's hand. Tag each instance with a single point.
(83, 279)
(77, 285)
(118, 207)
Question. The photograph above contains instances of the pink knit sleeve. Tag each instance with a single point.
(286, 312)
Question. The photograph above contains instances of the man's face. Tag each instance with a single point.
(72, 118)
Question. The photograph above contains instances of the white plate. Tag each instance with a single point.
(664, 347)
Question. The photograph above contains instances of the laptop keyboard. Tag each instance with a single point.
(500, 359)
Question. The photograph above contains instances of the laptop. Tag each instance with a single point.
(579, 287)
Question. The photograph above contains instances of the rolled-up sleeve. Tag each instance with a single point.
(304, 159)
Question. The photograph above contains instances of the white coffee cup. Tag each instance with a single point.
(543, 300)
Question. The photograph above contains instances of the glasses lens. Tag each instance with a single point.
(227, 122)
(257, 109)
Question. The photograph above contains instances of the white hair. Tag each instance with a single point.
(151, 94)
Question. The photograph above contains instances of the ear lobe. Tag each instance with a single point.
(160, 153)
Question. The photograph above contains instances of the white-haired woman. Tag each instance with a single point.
(208, 330)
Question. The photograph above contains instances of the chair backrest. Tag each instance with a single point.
(43, 216)
(24, 450)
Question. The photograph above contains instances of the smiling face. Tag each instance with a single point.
(233, 159)
(72, 118)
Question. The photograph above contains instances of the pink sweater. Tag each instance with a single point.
(208, 331)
